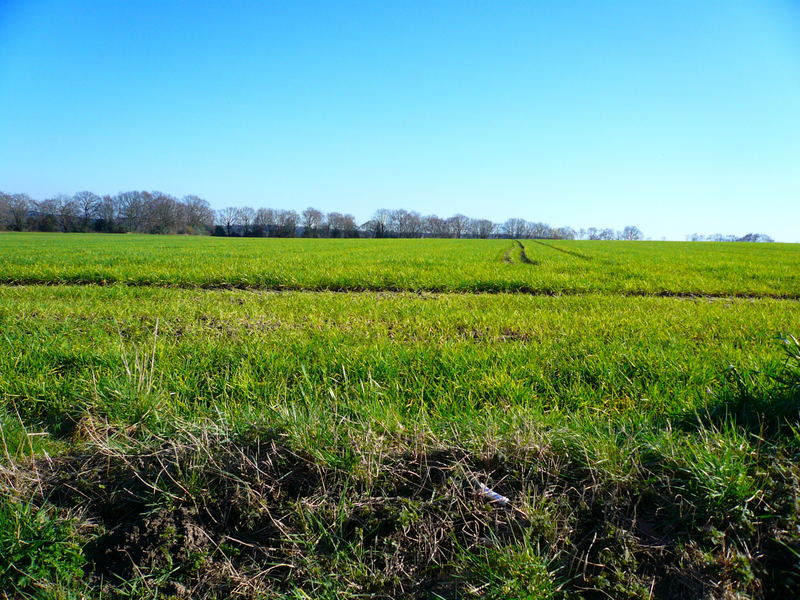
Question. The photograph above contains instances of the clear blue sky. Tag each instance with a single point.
(675, 116)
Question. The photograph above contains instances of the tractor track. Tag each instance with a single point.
(427, 290)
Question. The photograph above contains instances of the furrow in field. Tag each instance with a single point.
(569, 252)
(521, 290)
(523, 256)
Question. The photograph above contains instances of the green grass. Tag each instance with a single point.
(170, 439)
(413, 361)
(433, 265)
(41, 552)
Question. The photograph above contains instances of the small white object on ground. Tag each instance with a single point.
(492, 496)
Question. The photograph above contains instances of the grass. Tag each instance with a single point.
(387, 264)
(152, 355)
(170, 440)
(42, 554)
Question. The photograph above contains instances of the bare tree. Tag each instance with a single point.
(335, 224)
(397, 221)
(340, 225)
(67, 214)
(246, 217)
(379, 224)
(43, 215)
(199, 216)
(631, 232)
(514, 228)
(312, 221)
(404, 223)
(434, 226)
(164, 214)
(457, 225)
(86, 204)
(5, 210)
(287, 223)
(19, 207)
(228, 218)
(108, 215)
(132, 209)
(565, 233)
(538, 231)
(483, 228)
(265, 221)
(755, 237)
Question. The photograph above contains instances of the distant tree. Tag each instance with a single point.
(5, 210)
(457, 225)
(265, 221)
(43, 214)
(19, 207)
(108, 215)
(86, 204)
(132, 209)
(514, 228)
(245, 218)
(286, 221)
(565, 233)
(340, 225)
(378, 226)
(482, 228)
(312, 222)
(404, 223)
(718, 237)
(631, 233)
(228, 218)
(66, 213)
(538, 231)
(755, 237)
(164, 213)
(434, 226)
(413, 224)
(396, 223)
(199, 216)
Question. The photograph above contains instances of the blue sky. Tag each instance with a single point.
(678, 117)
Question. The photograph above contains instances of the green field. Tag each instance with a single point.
(550, 266)
(188, 417)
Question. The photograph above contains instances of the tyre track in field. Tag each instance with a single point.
(523, 256)
(557, 249)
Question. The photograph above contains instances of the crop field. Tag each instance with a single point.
(532, 266)
(186, 417)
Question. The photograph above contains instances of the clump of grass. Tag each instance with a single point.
(41, 554)
(209, 511)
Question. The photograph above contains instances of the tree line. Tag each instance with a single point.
(142, 212)
(157, 212)
(719, 237)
